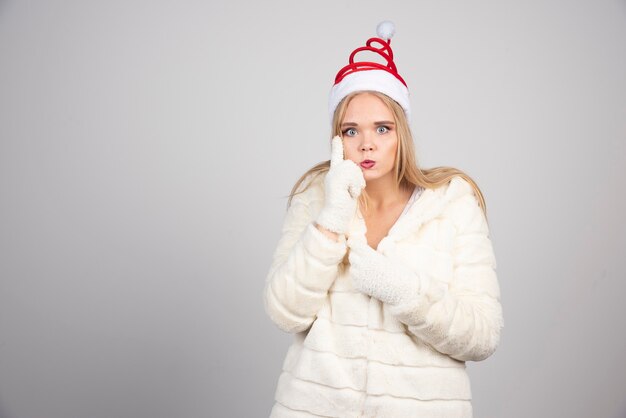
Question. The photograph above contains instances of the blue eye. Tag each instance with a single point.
(350, 132)
(382, 129)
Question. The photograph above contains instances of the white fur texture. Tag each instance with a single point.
(375, 80)
(401, 351)
(386, 29)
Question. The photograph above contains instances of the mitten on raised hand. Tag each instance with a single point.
(343, 184)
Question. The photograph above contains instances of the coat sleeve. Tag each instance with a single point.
(462, 319)
(304, 266)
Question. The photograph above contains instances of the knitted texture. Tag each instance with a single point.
(377, 275)
(343, 185)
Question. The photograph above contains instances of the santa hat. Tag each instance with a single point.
(365, 75)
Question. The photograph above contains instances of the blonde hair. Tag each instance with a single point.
(407, 172)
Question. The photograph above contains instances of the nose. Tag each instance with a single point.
(367, 144)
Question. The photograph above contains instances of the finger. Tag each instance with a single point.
(336, 151)
(358, 184)
(354, 190)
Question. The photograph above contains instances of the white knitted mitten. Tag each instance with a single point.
(343, 185)
(378, 276)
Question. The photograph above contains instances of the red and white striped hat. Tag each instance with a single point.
(367, 75)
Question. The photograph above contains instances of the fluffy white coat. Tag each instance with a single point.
(356, 356)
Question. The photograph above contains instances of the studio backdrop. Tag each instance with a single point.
(147, 149)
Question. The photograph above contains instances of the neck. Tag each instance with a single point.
(384, 192)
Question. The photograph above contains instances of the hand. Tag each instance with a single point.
(343, 184)
(378, 276)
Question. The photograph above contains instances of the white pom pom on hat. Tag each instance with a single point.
(367, 75)
(385, 29)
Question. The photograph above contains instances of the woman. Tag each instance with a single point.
(384, 273)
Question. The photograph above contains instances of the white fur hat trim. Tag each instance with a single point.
(377, 80)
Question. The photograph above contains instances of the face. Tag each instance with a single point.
(369, 134)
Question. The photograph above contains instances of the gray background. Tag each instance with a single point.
(147, 147)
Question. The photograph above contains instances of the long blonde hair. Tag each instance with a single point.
(407, 172)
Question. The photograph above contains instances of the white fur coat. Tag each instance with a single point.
(355, 356)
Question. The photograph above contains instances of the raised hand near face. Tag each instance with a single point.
(343, 184)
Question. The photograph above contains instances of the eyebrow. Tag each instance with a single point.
(382, 122)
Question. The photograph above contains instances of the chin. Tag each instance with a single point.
(369, 175)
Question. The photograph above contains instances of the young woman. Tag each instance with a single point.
(384, 272)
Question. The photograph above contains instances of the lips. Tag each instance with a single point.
(367, 164)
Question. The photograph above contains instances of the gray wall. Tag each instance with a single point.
(146, 148)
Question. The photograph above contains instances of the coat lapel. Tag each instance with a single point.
(427, 207)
